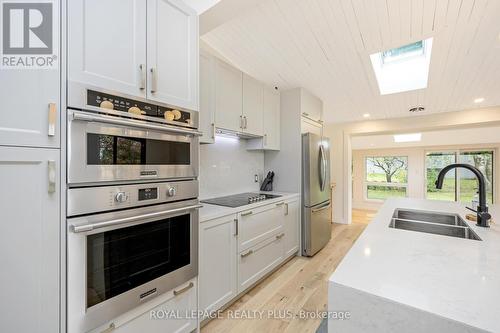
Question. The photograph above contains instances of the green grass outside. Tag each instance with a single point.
(468, 188)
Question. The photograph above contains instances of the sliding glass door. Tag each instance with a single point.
(459, 185)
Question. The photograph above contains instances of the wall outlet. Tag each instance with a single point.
(256, 178)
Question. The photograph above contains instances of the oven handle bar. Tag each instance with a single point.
(93, 226)
(84, 116)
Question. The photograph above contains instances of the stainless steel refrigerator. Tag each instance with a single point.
(316, 193)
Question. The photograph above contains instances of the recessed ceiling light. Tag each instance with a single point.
(366, 115)
(413, 137)
(404, 68)
(479, 100)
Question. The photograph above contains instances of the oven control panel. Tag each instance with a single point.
(86, 200)
(117, 103)
(150, 193)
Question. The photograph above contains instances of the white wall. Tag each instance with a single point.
(340, 137)
(226, 167)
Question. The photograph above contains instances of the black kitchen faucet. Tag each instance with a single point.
(483, 217)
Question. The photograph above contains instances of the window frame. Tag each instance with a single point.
(366, 183)
(457, 152)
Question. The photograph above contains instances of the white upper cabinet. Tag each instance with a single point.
(228, 94)
(271, 120)
(146, 49)
(30, 111)
(253, 106)
(207, 98)
(311, 106)
(107, 45)
(172, 48)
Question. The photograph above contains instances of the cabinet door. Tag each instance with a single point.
(29, 239)
(259, 224)
(253, 106)
(218, 271)
(228, 97)
(30, 111)
(207, 98)
(107, 46)
(172, 39)
(259, 260)
(271, 119)
(291, 226)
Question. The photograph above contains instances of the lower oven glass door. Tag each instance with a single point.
(119, 260)
(122, 259)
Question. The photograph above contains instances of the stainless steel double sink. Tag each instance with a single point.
(445, 224)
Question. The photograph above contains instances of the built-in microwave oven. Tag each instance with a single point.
(115, 145)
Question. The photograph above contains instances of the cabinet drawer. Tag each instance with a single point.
(258, 224)
(158, 319)
(259, 260)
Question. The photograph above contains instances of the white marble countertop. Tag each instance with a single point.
(450, 277)
(210, 212)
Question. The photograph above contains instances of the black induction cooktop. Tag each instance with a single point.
(238, 200)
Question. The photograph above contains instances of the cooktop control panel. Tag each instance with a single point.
(112, 102)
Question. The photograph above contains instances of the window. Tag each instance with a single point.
(460, 184)
(404, 68)
(386, 177)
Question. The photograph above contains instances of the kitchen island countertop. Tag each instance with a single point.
(418, 280)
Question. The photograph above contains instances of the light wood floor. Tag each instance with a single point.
(300, 284)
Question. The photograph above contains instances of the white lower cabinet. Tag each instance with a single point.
(218, 262)
(259, 260)
(30, 229)
(175, 312)
(257, 225)
(291, 227)
(238, 250)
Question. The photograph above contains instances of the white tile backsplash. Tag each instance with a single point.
(226, 167)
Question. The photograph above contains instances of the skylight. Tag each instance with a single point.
(403, 68)
(413, 137)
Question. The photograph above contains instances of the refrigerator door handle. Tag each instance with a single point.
(322, 167)
(315, 210)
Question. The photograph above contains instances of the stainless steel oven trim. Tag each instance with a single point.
(127, 220)
(80, 173)
(106, 311)
(96, 117)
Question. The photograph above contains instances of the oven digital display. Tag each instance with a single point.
(148, 193)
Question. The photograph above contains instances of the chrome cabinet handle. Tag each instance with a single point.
(93, 226)
(237, 227)
(183, 290)
(286, 209)
(213, 130)
(280, 236)
(247, 213)
(52, 176)
(154, 80)
(280, 204)
(241, 122)
(86, 116)
(142, 81)
(52, 119)
(111, 328)
(244, 255)
(246, 121)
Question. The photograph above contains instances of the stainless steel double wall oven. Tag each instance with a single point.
(132, 204)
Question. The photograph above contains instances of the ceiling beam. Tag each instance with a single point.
(224, 11)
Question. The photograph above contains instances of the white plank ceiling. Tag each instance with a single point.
(324, 46)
